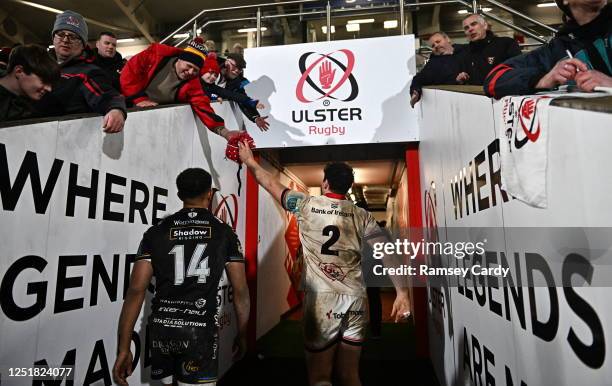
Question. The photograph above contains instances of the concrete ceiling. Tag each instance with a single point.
(167, 15)
(374, 179)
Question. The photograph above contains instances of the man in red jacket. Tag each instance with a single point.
(163, 74)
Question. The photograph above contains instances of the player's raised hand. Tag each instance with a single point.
(245, 153)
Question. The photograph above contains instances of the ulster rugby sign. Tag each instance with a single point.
(343, 92)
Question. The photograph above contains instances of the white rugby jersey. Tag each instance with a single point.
(331, 231)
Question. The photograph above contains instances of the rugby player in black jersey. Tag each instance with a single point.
(187, 253)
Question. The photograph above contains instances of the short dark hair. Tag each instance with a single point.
(239, 59)
(107, 33)
(339, 176)
(193, 182)
(34, 59)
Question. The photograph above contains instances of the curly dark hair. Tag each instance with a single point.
(340, 177)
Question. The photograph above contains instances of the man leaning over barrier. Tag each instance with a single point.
(164, 74)
(442, 67)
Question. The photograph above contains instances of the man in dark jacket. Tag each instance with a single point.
(107, 57)
(484, 51)
(83, 87)
(232, 70)
(30, 74)
(442, 67)
(586, 35)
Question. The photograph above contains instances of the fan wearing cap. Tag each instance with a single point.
(163, 74)
(83, 87)
(210, 73)
(580, 54)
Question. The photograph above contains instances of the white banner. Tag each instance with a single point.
(75, 203)
(340, 92)
(507, 332)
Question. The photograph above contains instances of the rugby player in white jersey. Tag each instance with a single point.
(335, 301)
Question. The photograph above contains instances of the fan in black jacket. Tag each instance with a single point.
(442, 67)
(586, 34)
(107, 57)
(484, 51)
(83, 87)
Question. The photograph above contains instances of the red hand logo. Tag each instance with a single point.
(326, 75)
(528, 109)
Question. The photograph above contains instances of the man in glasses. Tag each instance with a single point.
(83, 87)
(232, 74)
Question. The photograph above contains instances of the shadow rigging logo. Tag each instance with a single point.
(326, 86)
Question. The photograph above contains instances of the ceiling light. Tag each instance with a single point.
(254, 29)
(180, 36)
(352, 27)
(350, 1)
(543, 5)
(128, 40)
(486, 9)
(462, 11)
(43, 7)
(360, 21)
(390, 24)
(324, 29)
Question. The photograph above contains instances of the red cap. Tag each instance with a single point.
(211, 65)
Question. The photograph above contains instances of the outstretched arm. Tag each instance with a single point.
(265, 179)
(141, 277)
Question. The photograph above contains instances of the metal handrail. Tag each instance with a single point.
(202, 12)
(507, 23)
(328, 11)
(521, 15)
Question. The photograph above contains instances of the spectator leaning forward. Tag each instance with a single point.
(232, 75)
(83, 87)
(29, 75)
(586, 34)
(442, 67)
(163, 74)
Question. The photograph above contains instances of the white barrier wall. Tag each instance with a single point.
(500, 332)
(275, 294)
(75, 203)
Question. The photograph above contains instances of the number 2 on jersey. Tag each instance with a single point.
(197, 266)
(335, 235)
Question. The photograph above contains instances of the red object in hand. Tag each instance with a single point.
(231, 151)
